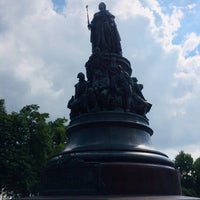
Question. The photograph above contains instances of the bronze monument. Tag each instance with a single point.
(109, 148)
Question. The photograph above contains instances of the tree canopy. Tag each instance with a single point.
(27, 141)
(189, 173)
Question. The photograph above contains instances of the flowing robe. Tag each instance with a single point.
(104, 34)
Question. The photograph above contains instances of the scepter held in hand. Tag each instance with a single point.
(88, 20)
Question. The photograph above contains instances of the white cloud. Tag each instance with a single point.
(191, 42)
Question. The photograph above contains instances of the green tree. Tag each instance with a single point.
(184, 163)
(58, 132)
(197, 176)
(37, 139)
(27, 141)
(2, 106)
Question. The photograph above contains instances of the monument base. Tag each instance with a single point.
(135, 174)
(110, 153)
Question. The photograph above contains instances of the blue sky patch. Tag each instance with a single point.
(59, 5)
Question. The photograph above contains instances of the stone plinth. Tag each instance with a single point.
(110, 153)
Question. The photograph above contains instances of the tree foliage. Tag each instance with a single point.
(197, 175)
(189, 172)
(27, 140)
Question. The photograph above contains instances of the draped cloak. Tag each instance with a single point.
(104, 34)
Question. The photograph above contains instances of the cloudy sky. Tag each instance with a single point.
(44, 44)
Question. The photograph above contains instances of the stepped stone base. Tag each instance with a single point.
(110, 153)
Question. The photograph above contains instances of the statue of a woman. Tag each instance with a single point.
(104, 34)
